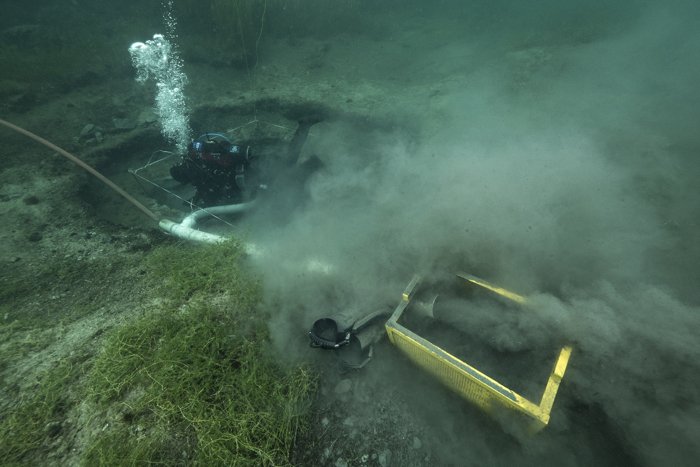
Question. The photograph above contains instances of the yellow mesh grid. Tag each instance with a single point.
(466, 380)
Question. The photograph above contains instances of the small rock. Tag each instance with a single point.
(325, 421)
(30, 199)
(87, 130)
(53, 429)
(124, 123)
(99, 137)
(417, 444)
(147, 116)
(364, 458)
(343, 386)
(350, 421)
(340, 462)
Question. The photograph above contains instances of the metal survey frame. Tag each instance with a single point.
(466, 380)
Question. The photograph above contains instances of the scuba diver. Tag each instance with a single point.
(217, 168)
(224, 172)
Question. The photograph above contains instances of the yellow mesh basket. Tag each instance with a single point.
(470, 383)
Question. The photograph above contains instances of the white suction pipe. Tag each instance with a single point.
(187, 228)
(191, 220)
(188, 233)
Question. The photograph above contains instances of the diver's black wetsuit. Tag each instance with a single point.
(223, 172)
(216, 168)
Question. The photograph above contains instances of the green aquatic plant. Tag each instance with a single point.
(193, 380)
(181, 274)
(38, 418)
(191, 387)
(190, 379)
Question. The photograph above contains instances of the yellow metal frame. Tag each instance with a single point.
(463, 378)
